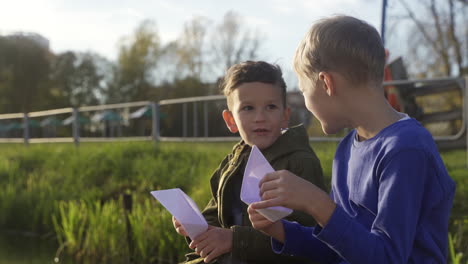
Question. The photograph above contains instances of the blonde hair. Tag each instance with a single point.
(342, 44)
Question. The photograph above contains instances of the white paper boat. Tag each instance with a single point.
(257, 167)
(184, 209)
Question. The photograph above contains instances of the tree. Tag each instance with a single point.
(232, 42)
(137, 60)
(76, 79)
(191, 46)
(438, 40)
(437, 47)
(24, 69)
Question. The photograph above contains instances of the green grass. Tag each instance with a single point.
(76, 194)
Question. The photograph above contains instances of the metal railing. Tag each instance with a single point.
(415, 88)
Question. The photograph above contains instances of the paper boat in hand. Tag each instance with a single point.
(257, 167)
(184, 209)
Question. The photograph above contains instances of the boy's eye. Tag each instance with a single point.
(271, 106)
(247, 108)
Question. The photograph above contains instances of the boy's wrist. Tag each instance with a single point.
(276, 230)
(321, 209)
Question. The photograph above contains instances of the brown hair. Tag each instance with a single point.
(253, 71)
(345, 45)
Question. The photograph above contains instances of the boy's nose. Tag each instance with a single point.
(260, 116)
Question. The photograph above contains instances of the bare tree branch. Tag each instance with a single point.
(453, 37)
(420, 27)
(443, 49)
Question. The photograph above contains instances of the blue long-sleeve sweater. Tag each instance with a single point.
(393, 197)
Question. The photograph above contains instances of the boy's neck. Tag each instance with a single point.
(372, 114)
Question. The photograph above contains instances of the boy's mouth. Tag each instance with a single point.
(260, 130)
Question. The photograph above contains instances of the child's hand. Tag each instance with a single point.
(213, 243)
(282, 188)
(178, 227)
(261, 223)
(258, 221)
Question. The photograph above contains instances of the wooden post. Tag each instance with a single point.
(128, 204)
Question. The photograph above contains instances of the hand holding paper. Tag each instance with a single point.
(184, 209)
(257, 167)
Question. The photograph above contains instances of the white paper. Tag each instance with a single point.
(257, 167)
(184, 209)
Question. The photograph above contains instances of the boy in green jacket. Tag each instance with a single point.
(256, 98)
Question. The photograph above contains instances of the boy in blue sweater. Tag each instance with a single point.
(391, 195)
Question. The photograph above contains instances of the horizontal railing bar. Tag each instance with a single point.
(402, 82)
(112, 106)
(442, 116)
(199, 139)
(192, 99)
(11, 140)
(11, 116)
(111, 139)
(51, 112)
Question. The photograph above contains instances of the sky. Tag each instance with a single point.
(98, 25)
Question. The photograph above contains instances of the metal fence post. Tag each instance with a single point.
(26, 128)
(465, 114)
(76, 126)
(205, 117)
(184, 120)
(195, 119)
(155, 122)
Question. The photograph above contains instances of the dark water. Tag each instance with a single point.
(16, 248)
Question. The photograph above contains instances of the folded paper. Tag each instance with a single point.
(257, 167)
(184, 209)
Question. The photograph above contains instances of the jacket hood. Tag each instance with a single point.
(293, 140)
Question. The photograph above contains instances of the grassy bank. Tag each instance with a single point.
(76, 195)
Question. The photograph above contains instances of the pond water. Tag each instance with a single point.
(27, 249)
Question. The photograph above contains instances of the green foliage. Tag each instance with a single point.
(75, 79)
(77, 193)
(138, 57)
(20, 57)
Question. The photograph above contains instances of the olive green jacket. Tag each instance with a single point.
(292, 152)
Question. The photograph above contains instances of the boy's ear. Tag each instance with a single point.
(328, 83)
(230, 122)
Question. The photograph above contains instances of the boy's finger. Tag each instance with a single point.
(203, 246)
(268, 177)
(206, 251)
(175, 222)
(268, 195)
(181, 231)
(194, 243)
(213, 254)
(266, 203)
(200, 238)
(269, 185)
(250, 210)
(256, 217)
